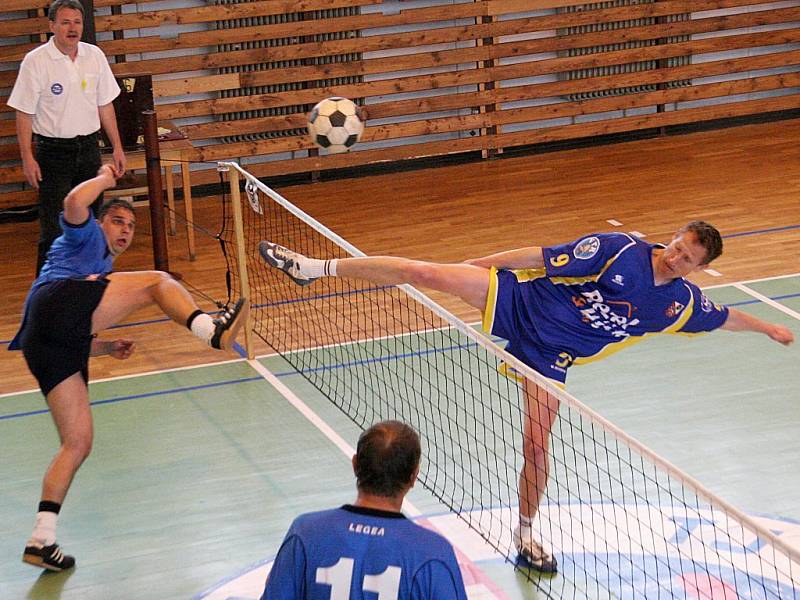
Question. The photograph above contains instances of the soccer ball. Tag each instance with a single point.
(335, 124)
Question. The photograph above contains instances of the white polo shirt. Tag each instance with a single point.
(62, 94)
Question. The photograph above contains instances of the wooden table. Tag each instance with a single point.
(175, 149)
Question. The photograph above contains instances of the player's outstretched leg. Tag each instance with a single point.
(468, 282)
(286, 260)
(130, 291)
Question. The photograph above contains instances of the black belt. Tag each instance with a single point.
(78, 139)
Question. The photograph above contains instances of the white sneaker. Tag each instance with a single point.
(532, 552)
(285, 260)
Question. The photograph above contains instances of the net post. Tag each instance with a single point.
(241, 255)
(153, 164)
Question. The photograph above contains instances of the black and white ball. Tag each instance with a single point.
(335, 124)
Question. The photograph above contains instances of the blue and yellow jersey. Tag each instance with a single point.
(594, 296)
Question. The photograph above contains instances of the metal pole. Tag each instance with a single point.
(156, 194)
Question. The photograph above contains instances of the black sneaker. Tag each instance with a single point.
(49, 557)
(285, 260)
(532, 555)
(228, 324)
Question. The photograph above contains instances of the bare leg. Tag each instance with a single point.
(541, 410)
(69, 406)
(468, 282)
(130, 291)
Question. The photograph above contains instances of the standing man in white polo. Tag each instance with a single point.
(63, 95)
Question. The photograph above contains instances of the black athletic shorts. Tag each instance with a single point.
(57, 336)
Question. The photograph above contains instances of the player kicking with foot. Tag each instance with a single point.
(75, 297)
(558, 306)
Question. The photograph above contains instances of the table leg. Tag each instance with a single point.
(187, 207)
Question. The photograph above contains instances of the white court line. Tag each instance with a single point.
(770, 301)
(316, 421)
(719, 285)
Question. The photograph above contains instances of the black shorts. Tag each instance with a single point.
(57, 336)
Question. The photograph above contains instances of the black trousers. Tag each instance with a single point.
(64, 163)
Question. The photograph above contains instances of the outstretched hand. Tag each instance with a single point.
(121, 349)
(781, 334)
(109, 170)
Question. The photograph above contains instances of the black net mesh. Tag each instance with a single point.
(620, 522)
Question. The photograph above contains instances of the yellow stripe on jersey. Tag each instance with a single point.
(523, 275)
(491, 302)
(508, 371)
(674, 328)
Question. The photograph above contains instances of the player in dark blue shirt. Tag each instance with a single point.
(368, 549)
(559, 306)
(76, 296)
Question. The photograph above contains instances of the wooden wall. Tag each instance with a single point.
(435, 78)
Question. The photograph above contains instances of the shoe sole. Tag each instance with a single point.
(37, 561)
(522, 561)
(263, 250)
(228, 337)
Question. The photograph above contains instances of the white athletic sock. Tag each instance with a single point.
(44, 532)
(314, 267)
(203, 326)
(525, 521)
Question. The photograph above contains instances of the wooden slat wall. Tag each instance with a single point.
(467, 62)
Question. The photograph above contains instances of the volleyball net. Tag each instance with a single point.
(621, 521)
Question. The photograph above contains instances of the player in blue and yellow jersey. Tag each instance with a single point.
(75, 296)
(558, 306)
(368, 549)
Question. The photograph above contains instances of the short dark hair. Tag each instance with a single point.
(388, 454)
(707, 236)
(112, 203)
(59, 4)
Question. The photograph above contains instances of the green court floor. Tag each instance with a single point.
(196, 473)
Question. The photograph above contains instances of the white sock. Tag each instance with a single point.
(525, 521)
(203, 326)
(44, 532)
(314, 267)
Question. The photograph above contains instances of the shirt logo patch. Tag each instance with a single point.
(674, 309)
(706, 304)
(586, 248)
(56, 89)
(618, 279)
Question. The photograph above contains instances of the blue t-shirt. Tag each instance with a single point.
(597, 294)
(358, 553)
(80, 251)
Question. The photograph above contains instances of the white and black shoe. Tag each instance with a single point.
(49, 557)
(531, 553)
(228, 324)
(286, 260)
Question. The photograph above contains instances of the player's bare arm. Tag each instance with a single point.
(78, 201)
(740, 321)
(530, 257)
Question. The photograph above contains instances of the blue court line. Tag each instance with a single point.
(248, 379)
(179, 390)
(757, 301)
(760, 231)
